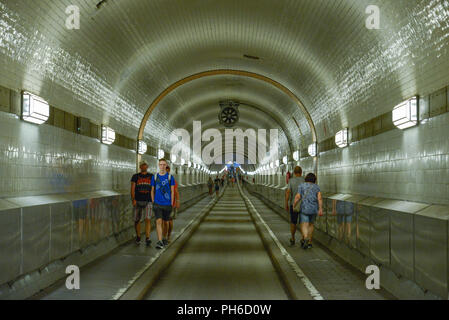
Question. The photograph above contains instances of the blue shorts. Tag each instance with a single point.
(342, 218)
(310, 218)
(293, 216)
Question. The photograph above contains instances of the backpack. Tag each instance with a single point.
(156, 175)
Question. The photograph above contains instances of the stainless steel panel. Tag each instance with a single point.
(94, 218)
(346, 222)
(321, 222)
(126, 212)
(106, 205)
(353, 230)
(363, 230)
(6, 205)
(10, 244)
(36, 237)
(61, 225)
(280, 197)
(401, 206)
(35, 200)
(401, 250)
(331, 218)
(114, 213)
(380, 235)
(402, 243)
(80, 224)
(431, 249)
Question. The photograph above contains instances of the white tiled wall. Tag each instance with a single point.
(36, 160)
(409, 165)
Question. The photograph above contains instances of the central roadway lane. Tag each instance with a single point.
(225, 259)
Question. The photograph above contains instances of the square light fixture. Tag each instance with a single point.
(341, 138)
(405, 114)
(34, 109)
(296, 155)
(107, 135)
(142, 147)
(312, 149)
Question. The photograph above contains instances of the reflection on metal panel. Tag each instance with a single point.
(431, 249)
(345, 214)
(321, 222)
(402, 251)
(36, 237)
(10, 244)
(53, 231)
(363, 229)
(380, 235)
(61, 232)
(331, 219)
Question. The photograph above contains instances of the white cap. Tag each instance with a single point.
(142, 163)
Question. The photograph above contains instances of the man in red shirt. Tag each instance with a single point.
(174, 213)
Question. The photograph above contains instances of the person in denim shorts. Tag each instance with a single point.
(311, 205)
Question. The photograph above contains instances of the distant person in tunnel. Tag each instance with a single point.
(217, 185)
(141, 199)
(210, 184)
(174, 212)
(290, 194)
(311, 204)
(163, 196)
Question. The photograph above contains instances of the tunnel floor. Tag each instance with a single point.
(332, 277)
(224, 259)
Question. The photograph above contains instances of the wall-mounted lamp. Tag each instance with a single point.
(34, 109)
(405, 114)
(142, 147)
(107, 135)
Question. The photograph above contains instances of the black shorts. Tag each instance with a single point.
(293, 216)
(162, 212)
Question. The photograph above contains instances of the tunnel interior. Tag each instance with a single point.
(298, 72)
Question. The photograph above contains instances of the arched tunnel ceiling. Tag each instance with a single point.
(127, 52)
(259, 107)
